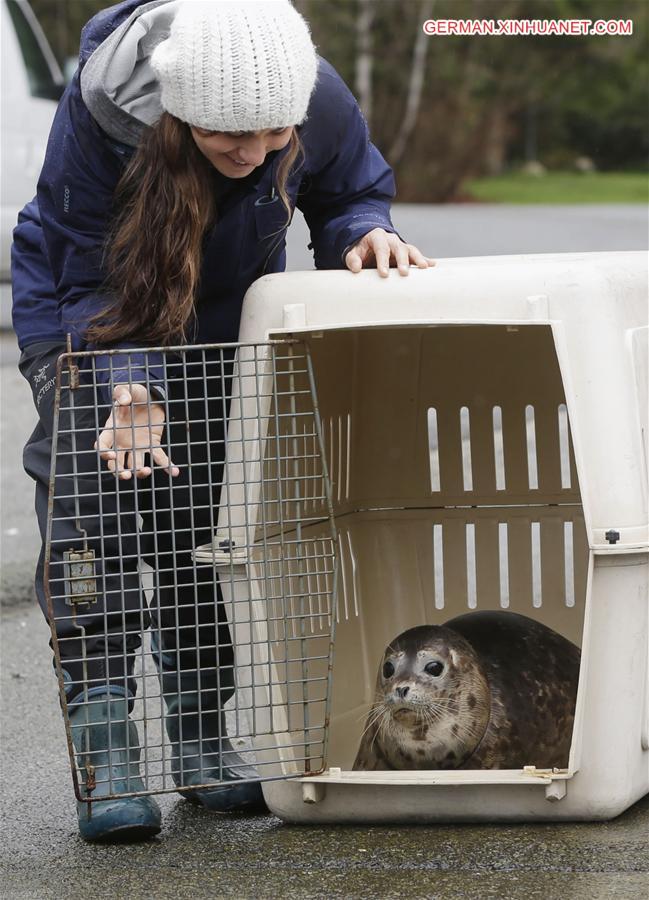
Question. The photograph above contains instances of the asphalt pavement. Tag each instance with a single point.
(201, 854)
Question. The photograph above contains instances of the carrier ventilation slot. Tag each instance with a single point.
(337, 440)
(349, 588)
(355, 584)
(433, 450)
(348, 582)
(499, 448)
(530, 429)
(342, 581)
(471, 583)
(564, 445)
(438, 566)
(503, 564)
(325, 429)
(569, 564)
(535, 535)
(348, 454)
(465, 437)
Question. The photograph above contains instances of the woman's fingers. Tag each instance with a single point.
(122, 396)
(105, 446)
(118, 464)
(353, 260)
(161, 459)
(138, 466)
(125, 463)
(104, 442)
(132, 464)
(402, 256)
(107, 455)
(381, 249)
(418, 258)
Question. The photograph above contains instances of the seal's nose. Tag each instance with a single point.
(402, 692)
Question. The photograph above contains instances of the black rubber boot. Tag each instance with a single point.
(202, 753)
(108, 751)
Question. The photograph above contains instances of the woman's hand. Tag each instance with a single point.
(133, 429)
(381, 249)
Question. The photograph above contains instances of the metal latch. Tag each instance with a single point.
(80, 577)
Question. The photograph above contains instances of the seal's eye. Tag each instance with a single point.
(434, 668)
(388, 670)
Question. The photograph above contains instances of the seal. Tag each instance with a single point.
(486, 690)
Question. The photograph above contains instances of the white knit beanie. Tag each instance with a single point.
(236, 65)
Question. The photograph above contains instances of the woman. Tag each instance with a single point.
(177, 154)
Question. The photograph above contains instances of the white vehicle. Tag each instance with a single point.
(32, 84)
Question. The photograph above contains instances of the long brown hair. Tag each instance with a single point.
(165, 204)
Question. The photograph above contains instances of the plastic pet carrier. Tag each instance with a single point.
(397, 452)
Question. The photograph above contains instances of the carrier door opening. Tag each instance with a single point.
(454, 489)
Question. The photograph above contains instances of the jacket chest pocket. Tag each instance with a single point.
(271, 218)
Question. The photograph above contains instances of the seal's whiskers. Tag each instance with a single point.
(378, 701)
(376, 713)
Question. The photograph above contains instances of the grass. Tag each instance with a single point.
(561, 187)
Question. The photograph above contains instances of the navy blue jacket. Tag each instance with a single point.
(343, 187)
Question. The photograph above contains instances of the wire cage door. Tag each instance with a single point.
(191, 602)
